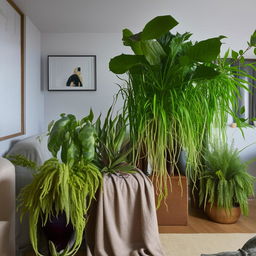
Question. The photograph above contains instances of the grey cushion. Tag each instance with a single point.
(34, 148)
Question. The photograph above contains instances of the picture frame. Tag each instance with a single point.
(72, 73)
(12, 99)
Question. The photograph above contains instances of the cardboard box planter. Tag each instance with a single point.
(174, 211)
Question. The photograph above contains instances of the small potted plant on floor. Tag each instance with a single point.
(63, 187)
(225, 184)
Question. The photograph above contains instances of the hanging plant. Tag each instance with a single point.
(62, 186)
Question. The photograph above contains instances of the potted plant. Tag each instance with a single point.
(176, 91)
(62, 188)
(113, 147)
(225, 184)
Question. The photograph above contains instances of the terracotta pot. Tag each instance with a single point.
(221, 215)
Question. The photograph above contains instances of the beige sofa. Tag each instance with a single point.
(7, 208)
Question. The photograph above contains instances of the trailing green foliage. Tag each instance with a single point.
(176, 92)
(62, 186)
(113, 145)
(224, 179)
(22, 161)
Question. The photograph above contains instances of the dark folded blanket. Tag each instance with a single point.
(249, 249)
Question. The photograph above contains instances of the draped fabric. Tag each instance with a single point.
(123, 220)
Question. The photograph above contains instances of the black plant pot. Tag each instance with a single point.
(57, 231)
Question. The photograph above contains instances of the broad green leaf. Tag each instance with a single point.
(158, 27)
(153, 52)
(126, 36)
(128, 41)
(205, 72)
(86, 136)
(206, 50)
(57, 134)
(122, 63)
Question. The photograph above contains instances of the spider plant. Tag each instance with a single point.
(225, 180)
(113, 145)
(62, 186)
(176, 92)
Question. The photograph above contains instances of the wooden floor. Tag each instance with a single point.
(198, 223)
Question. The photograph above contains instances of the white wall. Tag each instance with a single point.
(104, 46)
(34, 96)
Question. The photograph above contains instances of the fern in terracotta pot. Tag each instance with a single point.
(225, 184)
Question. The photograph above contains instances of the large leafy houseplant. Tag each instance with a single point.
(225, 181)
(66, 185)
(176, 92)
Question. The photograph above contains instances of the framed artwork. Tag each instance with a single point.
(12, 120)
(72, 73)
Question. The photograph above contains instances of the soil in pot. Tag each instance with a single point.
(222, 215)
(57, 231)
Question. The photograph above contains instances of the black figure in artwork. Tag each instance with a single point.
(75, 80)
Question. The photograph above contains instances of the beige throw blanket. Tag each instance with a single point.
(123, 220)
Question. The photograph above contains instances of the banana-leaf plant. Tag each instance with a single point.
(176, 92)
(66, 185)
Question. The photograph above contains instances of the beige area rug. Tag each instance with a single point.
(196, 244)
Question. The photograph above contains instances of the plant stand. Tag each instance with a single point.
(174, 211)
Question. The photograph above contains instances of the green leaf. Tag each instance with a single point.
(165, 41)
(158, 27)
(153, 52)
(234, 55)
(242, 110)
(86, 136)
(205, 72)
(52, 248)
(126, 36)
(88, 118)
(254, 51)
(253, 39)
(122, 63)
(21, 160)
(127, 41)
(50, 125)
(57, 134)
(205, 51)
